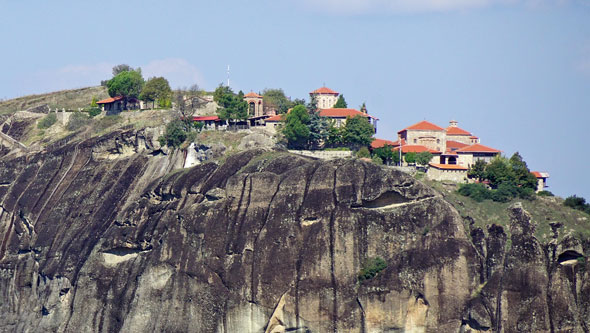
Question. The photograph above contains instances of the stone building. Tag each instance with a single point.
(255, 104)
(325, 97)
(424, 134)
(339, 116)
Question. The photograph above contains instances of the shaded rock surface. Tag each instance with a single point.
(105, 235)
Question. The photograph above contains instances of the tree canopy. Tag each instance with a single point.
(121, 68)
(127, 84)
(386, 154)
(423, 158)
(231, 106)
(296, 128)
(341, 103)
(156, 88)
(275, 98)
(358, 131)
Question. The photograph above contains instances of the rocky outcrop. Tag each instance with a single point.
(108, 235)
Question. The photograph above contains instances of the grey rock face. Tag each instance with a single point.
(266, 242)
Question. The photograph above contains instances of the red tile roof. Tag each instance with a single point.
(276, 118)
(540, 174)
(205, 118)
(448, 166)
(455, 145)
(477, 148)
(416, 149)
(324, 90)
(252, 95)
(343, 113)
(110, 100)
(454, 130)
(378, 143)
(423, 126)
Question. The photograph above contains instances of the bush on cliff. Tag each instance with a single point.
(77, 121)
(371, 268)
(578, 203)
(175, 135)
(47, 121)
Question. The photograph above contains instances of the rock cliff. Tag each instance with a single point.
(108, 235)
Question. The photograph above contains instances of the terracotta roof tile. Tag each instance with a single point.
(276, 118)
(205, 118)
(343, 113)
(477, 148)
(448, 166)
(252, 95)
(454, 145)
(540, 174)
(378, 143)
(324, 90)
(423, 126)
(417, 149)
(110, 100)
(454, 130)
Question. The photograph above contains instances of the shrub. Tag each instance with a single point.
(545, 194)
(175, 134)
(47, 121)
(477, 192)
(371, 268)
(94, 111)
(578, 203)
(377, 160)
(363, 153)
(77, 121)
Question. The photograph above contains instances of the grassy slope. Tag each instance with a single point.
(68, 99)
(543, 210)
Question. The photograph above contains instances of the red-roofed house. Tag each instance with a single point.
(541, 180)
(468, 155)
(426, 134)
(380, 143)
(117, 104)
(211, 122)
(325, 97)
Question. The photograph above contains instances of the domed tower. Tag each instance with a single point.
(255, 104)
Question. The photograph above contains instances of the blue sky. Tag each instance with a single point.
(516, 73)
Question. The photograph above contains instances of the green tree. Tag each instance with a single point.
(363, 153)
(410, 157)
(93, 103)
(358, 131)
(175, 135)
(156, 89)
(341, 103)
(121, 68)
(335, 136)
(275, 98)
(499, 171)
(423, 158)
(318, 130)
(232, 107)
(386, 153)
(522, 175)
(477, 170)
(127, 84)
(296, 129)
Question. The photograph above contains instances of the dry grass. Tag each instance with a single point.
(68, 99)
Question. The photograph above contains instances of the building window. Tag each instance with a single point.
(415, 140)
(437, 140)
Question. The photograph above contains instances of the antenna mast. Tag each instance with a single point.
(228, 75)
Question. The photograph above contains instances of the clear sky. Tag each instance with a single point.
(515, 73)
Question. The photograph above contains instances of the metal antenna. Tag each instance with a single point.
(228, 75)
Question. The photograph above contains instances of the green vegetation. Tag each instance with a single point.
(578, 203)
(410, 157)
(232, 107)
(94, 111)
(67, 99)
(358, 131)
(77, 121)
(100, 125)
(127, 84)
(341, 103)
(296, 129)
(363, 153)
(377, 160)
(423, 158)
(47, 121)
(387, 155)
(504, 193)
(276, 99)
(175, 135)
(371, 268)
(545, 194)
(156, 89)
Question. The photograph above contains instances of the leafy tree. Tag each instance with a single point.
(341, 103)
(127, 84)
(175, 135)
(522, 175)
(121, 68)
(423, 158)
(377, 160)
(296, 128)
(335, 136)
(93, 103)
(275, 98)
(232, 107)
(358, 131)
(578, 203)
(318, 130)
(410, 157)
(499, 171)
(386, 153)
(156, 88)
(477, 170)
(94, 111)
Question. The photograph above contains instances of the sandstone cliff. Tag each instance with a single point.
(106, 235)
